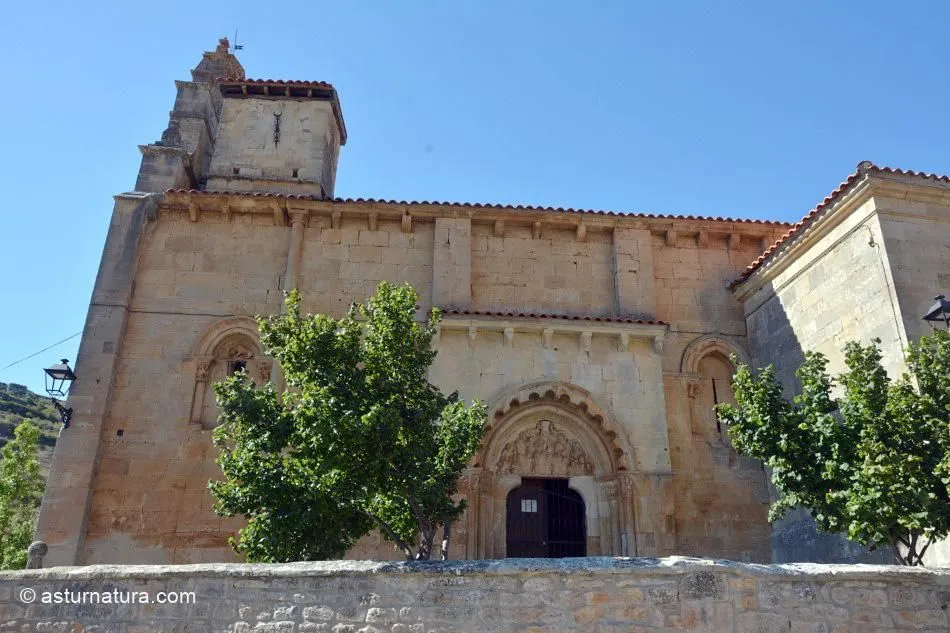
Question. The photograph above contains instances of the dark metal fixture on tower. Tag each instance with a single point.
(939, 312)
(59, 379)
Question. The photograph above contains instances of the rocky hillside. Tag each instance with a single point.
(18, 403)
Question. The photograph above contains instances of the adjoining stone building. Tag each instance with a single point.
(600, 340)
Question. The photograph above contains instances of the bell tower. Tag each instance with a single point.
(277, 136)
(230, 133)
(180, 159)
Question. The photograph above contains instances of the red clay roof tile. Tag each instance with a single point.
(477, 205)
(533, 315)
(863, 168)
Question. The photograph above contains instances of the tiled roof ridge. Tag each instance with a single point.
(476, 205)
(566, 317)
(277, 82)
(864, 167)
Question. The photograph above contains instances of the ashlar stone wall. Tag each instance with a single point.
(867, 267)
(518, 595)
(566, 317)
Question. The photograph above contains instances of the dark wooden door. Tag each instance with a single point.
(545, 519)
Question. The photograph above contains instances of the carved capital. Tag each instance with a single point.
(298, 217)
(203, 369)
(264, 369)
(693, 388)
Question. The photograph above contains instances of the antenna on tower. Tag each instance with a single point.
(236, 46)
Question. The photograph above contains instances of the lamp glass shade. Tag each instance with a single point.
(59, 378)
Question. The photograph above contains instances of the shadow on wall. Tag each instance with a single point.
(795, 537)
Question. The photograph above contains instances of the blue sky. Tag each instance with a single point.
(717, 108)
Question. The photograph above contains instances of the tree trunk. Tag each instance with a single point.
(446, 535)
(913, 556)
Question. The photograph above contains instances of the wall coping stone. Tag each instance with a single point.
(599, 565)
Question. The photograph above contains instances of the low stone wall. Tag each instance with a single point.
(593, 594)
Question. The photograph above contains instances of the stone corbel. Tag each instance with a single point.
(472, 333)
(764, 244)
(536, 230)
(735, 241)
(336, 219)
(372, 220)
(193, 212)
(623, 342)
(671, 237)
(581, 232)
(406, 223)
(509, 337)
(658, 344)
(585, 341)
(547, 337)
(702, 239)
(279, 219)
(499, 229)
(226, 213)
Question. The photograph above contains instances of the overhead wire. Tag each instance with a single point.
(14, 363)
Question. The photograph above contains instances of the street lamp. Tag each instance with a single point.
(59, 378)
(939, 312)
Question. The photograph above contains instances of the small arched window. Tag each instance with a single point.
(230, 354)
(716, 386)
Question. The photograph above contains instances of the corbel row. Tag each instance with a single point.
(227, 205)
(623, 333)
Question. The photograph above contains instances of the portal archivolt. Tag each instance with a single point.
(550, 431)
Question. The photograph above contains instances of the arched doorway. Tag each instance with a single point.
(545, 519)
(550, 432)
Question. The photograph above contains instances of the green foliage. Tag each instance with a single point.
(17, 403)
(21, 487)
(874, 462)
(359, 440)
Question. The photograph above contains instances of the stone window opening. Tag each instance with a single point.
(227, 348)
(713, 387)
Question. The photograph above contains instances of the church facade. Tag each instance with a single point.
(599, 340)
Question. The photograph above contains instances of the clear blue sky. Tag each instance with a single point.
(718, 108)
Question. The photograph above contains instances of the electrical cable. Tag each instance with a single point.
(40, 352)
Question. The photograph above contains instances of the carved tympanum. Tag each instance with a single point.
(544, 450)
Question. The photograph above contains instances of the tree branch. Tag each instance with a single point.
(392, 534)
(920, 557)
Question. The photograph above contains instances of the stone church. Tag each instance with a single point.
(599, 340)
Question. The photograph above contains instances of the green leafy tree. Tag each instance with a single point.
(873, 462)
(21, 488)
(359, 440)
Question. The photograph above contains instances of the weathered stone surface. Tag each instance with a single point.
(602, 594)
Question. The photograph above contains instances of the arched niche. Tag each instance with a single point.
(707, 361)
(224, 348)
(710, 344)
